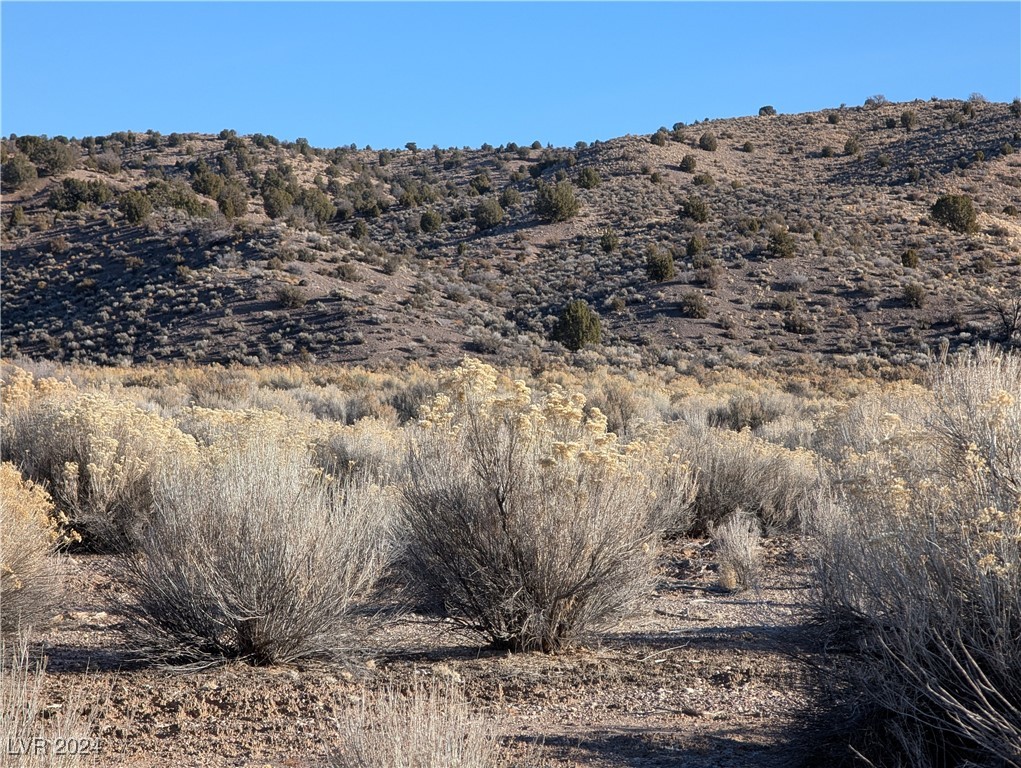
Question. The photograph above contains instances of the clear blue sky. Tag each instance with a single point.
(457, 74)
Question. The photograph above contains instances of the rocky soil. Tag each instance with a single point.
(704, 678)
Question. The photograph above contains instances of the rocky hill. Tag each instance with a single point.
(749, 240)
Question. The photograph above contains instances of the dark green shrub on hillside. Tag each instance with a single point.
(556, 202)
(688, 164)
(205, 181)
(956, 212)
(782, 243)
(696, 245)
(909, 120)
(609, 241)
(365, 198)
(703, 180)
(578, 325)
(291, 297)
(766, 111)
(482, 184)
(74, 194)
(316, 204)
(176, 194)
(510, 198)
(17, 170)
(696, 209)
(909, 258)
(852, 146)
(135, 206)
(54, 156)
(29, 145)
(833, 118)
(588, 178)
(1015, 107)
(277, 202)
(488, 214)
(914, 295)
(694, 305)
(359, 230)
(232, 200)
(748, 147)
(659, 137)
(708, 142)
(431, 221)
(659, 264)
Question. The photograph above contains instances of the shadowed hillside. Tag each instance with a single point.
(745, 240)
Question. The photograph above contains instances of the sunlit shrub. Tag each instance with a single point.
(737, 470)
(528, 524)
(555, 202)
(920, 562)
(957, 212)
(29, 571)
(96, 454)
(252, 552)
(578, 325)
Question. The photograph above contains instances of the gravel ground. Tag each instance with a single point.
(704, 678)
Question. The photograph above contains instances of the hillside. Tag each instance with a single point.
(818, 242)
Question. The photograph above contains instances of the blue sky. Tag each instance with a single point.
(460, 74)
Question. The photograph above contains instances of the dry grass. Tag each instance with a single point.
(737, 541)
(34, 732)
(523, 520)
(432, 725)
(740, 471)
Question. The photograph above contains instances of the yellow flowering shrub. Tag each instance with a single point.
(29, 573)
(96, 454)
(528, 523)
(921, 554)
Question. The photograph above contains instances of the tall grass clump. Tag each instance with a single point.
(30, 571)
(737, 541)
(251, 552)
(428, 726)
(920, 561)
(96, 454)
(527, 523)
(26, 718)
